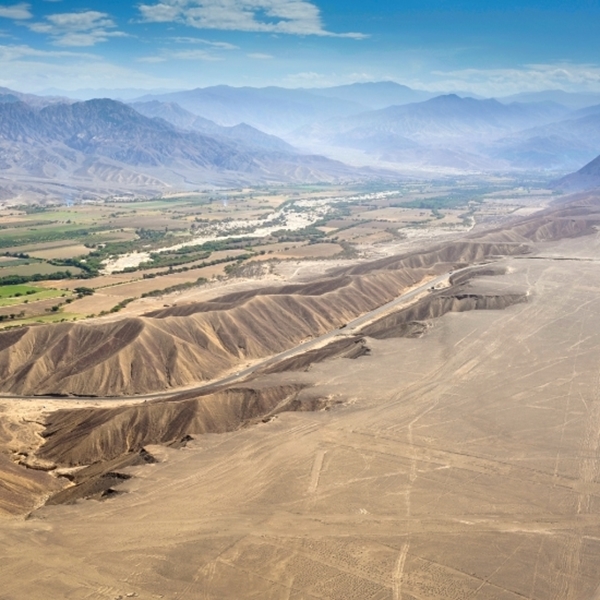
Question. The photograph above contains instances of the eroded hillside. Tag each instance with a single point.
(195, 342)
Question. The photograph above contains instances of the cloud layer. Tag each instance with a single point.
(17, 12)
(296, 17)
(78, 29)
(528, 78)
(24, 67)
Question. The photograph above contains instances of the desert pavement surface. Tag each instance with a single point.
(463, 463)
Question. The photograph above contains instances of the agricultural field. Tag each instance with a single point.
(16, 294)
(126, 249)
(14, 291)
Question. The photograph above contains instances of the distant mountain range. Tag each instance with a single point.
(374, 95)
(106, 142)
(273, 110)
(563, 144)
(242, 133)
(572, 100)
(444, 118)
(223, 135)
(446, 130)
(9, 96)
(449, 131)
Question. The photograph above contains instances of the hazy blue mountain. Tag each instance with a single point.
(104, 138)
(121, 94)
(242, 133)
(273, 110)
(573, 100)
(588, 177)
(587, 111)
(8, 98)
(375, 95)
(564, 144)
(174, 114)
(446, 130)
(8, 95)
(197, 134)
(108, 128)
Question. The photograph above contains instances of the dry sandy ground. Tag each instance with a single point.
(464, 464)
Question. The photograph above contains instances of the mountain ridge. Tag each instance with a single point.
(443, 130)
(106, 141)
(270, 109)
(587, 178)
(183, 119)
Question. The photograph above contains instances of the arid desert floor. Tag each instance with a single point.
(463, 463)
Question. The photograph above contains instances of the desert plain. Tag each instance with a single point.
(448, 447)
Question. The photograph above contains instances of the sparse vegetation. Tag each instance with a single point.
(175, 288)
(54, 243)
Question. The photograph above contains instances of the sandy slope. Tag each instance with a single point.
(188, 343)
(461, 464)
(193, 342)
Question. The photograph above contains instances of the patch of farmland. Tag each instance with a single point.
(69, 251)
(399, 215)
(322, 250)
(34, 268)
(14, 291)
(143, 286)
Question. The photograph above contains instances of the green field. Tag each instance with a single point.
(156, 204)
(14, 262)
(9, 297)
(20, 236)
(43, 268)
(12, 291)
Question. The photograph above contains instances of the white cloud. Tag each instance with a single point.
(18, 12)
(194, 55)
(528, 78)
(14, 53)
(313, 79)
(151, 59)
(298, 17)
(306, 77)
(260, 56)
(192, 40)
(78, 29)
(27, 69)
(190, 54)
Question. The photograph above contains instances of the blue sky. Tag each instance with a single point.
(490, 48)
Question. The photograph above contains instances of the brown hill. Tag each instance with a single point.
(180, 345)
(86, 436)
(588, 177)
(22, 490)
(412, 320)
(109, 440)
(195, 342)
